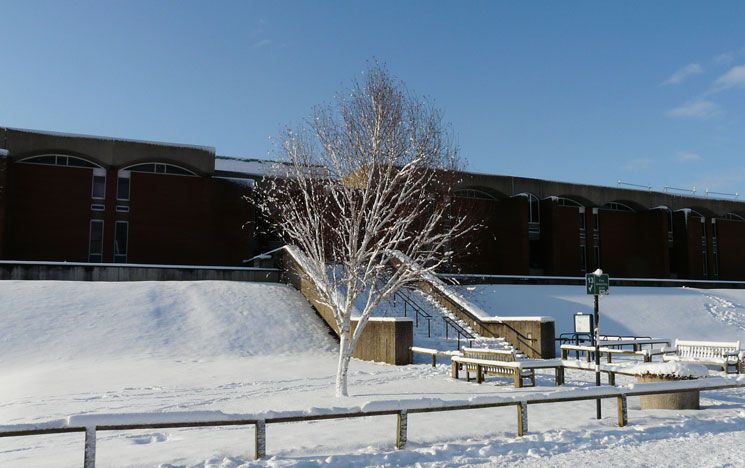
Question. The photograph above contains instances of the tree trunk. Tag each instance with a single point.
(345, 354)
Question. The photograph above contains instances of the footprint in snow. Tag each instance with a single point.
(725, 311)
(152, 438)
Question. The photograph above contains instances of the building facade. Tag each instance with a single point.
(80, 198)
(542, 227)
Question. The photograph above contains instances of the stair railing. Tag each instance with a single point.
(409, 302)
(462, 332)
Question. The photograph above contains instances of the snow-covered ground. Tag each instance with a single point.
(686, 313)
(87, 348)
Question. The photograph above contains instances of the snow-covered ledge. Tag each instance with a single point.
(4, 153)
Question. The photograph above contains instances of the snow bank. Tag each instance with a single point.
(51, 321)
(686, 313)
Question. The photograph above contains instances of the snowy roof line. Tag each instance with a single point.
(4, 153)
(209, 149)
(133, 265)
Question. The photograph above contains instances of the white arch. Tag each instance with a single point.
(159, 168)
(55, 159)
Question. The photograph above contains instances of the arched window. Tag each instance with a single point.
(733, 217)
(617, 206)
(563, 201)
(160, 168)
(59, 160)
(474, 193)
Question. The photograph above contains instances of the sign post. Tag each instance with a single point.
(597, 283)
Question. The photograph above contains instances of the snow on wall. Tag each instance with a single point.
(43, 320)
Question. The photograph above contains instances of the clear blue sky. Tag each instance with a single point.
(646, 92)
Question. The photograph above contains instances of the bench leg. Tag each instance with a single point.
(611, 378)
(559, 371)
(434, 360)
(479, 374)
(518, 379)
(454, 370)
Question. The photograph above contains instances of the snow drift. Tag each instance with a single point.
(46, 321)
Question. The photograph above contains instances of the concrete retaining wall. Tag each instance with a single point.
(383, 340)
(533, 336)
(580, 281)
(121, 272)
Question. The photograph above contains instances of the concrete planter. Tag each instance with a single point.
(678, 400)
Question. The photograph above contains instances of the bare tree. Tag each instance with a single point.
(363, 193)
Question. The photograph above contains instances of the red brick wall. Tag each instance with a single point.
(687, 251)
(730, 237)
(634, 244)
(187, 220)
(48, 213)
(3, 199)
(500, 246)
(560, 239)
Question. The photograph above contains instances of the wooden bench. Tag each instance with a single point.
(493, 362)
(725, 354)
(433, 353)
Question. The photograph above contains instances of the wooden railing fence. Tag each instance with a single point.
(520, 402)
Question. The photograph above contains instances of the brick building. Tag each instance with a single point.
(80, 198)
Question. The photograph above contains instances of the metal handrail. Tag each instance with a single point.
(458, 329)
(418, 310)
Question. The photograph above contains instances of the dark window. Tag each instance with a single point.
(122, 188)
(160, 168)
(99, 187)
(582, 220)
(582, 259)
(43, 160)
(122, 209)
(97, 207)
(95, 250)
(595, 220)
(59, 160)
(177, 170)
(597, 256)
(120, 242)
(77, 162)
(143, 168)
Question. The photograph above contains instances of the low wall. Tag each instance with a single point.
(63, 271)
(383, 340)
(534, 336)
(580, 281)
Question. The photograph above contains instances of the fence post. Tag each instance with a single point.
(623, 414)
(401, 429)
(434, 360)
(522, 418)
(260, 440)
(89, 458)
